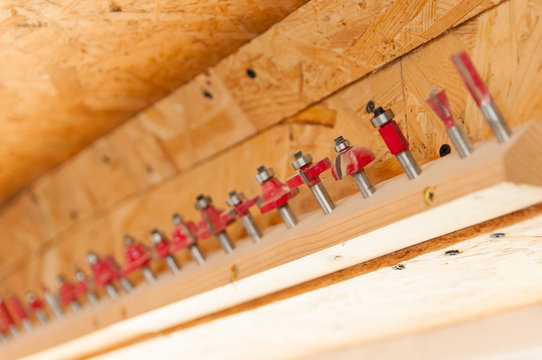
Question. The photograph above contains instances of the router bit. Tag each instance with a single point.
(137, 257)
(275, 195)
(396, 141)
(481, 96)
(20, 313)
(309, 174)
(214, 222)
(163, 249)
(68, 294)
(7, 319)
(350, 161)
(105, 272)
(241, 205)
(83, 287)
(184, 236)
(438, 101)
(37, 306)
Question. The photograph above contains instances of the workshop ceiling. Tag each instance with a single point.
(71, 70)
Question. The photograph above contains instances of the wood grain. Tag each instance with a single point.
(492, 182)
(72, 71)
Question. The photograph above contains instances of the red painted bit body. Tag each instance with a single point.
(137, 256)
(393, 137)
(68, 293)
(181, 238)
(105, 271)
(219, 219)
(275, 194)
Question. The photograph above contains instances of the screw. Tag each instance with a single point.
(370, 106)
(429, 195)
(399, 267)
(251, 73)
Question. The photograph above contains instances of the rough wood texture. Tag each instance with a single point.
(497, 179)
(73, 70)
(75, 220)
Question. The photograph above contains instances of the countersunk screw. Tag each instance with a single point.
(497, 235)
(429, 195)
(370, 106)
(452, 252)
(399, 267)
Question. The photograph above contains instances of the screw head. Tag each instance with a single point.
(444, 150)
(370, 106)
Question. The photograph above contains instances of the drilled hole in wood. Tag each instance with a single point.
(444, 150)
(251, 73)
(208, 95)
(497, 235)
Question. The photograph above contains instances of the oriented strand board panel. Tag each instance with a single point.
(72, 70)
(313, 130)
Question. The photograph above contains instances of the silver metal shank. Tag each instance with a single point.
(321, 195)
(148, 275)
(225, 242)
(287, 215)
(496, 122)
(126, 284)
(366, 188)
(409, 164)
(460, 141)
(172, 264)
(197, 254)
(111, 291)
(251, 227)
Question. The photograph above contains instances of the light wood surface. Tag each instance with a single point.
(495, 180)
(101, 208)
(72, 71)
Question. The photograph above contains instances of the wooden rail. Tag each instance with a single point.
(495, 180)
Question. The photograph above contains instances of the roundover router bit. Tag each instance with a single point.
(241, 206)
(395, 141)
(20, 313)
(214, 222)
(351, 161)
(308, 173)
(184, 236)
(137, 257)
(275, 195)
(163, 250)
(83, 287)
(481, 96)
(438, 102)
(37, 306)
(68, 294)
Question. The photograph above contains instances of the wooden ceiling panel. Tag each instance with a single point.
(71, 70)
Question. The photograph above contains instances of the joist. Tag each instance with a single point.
(451, 194)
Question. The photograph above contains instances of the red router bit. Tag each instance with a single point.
(438, 101)
(7, 319)
(163, 249)
(52, 302)
(68, 294)
(395, 140)
(184, 236)
(481, 96)
(214, 222)
(137, 256)
(309, 174)
(275, 195)
(241, 205)
(20, 313)
(37, 306)
(106, 271)
(83, 287)
(351, 160)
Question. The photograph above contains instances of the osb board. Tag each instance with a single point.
(343, 113)
(73, 70)
(488, 276)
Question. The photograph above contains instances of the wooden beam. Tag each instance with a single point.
(495, 180)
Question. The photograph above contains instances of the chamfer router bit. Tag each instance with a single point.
(163, 249)
(37, 306)
(83, 287)
(137, 257)
(184, 236)
(241, 205)
(275, 195)
(350, 161)
(308, 173)
(214, 222)
(438, 102)
(395, 141)
(481, 96)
